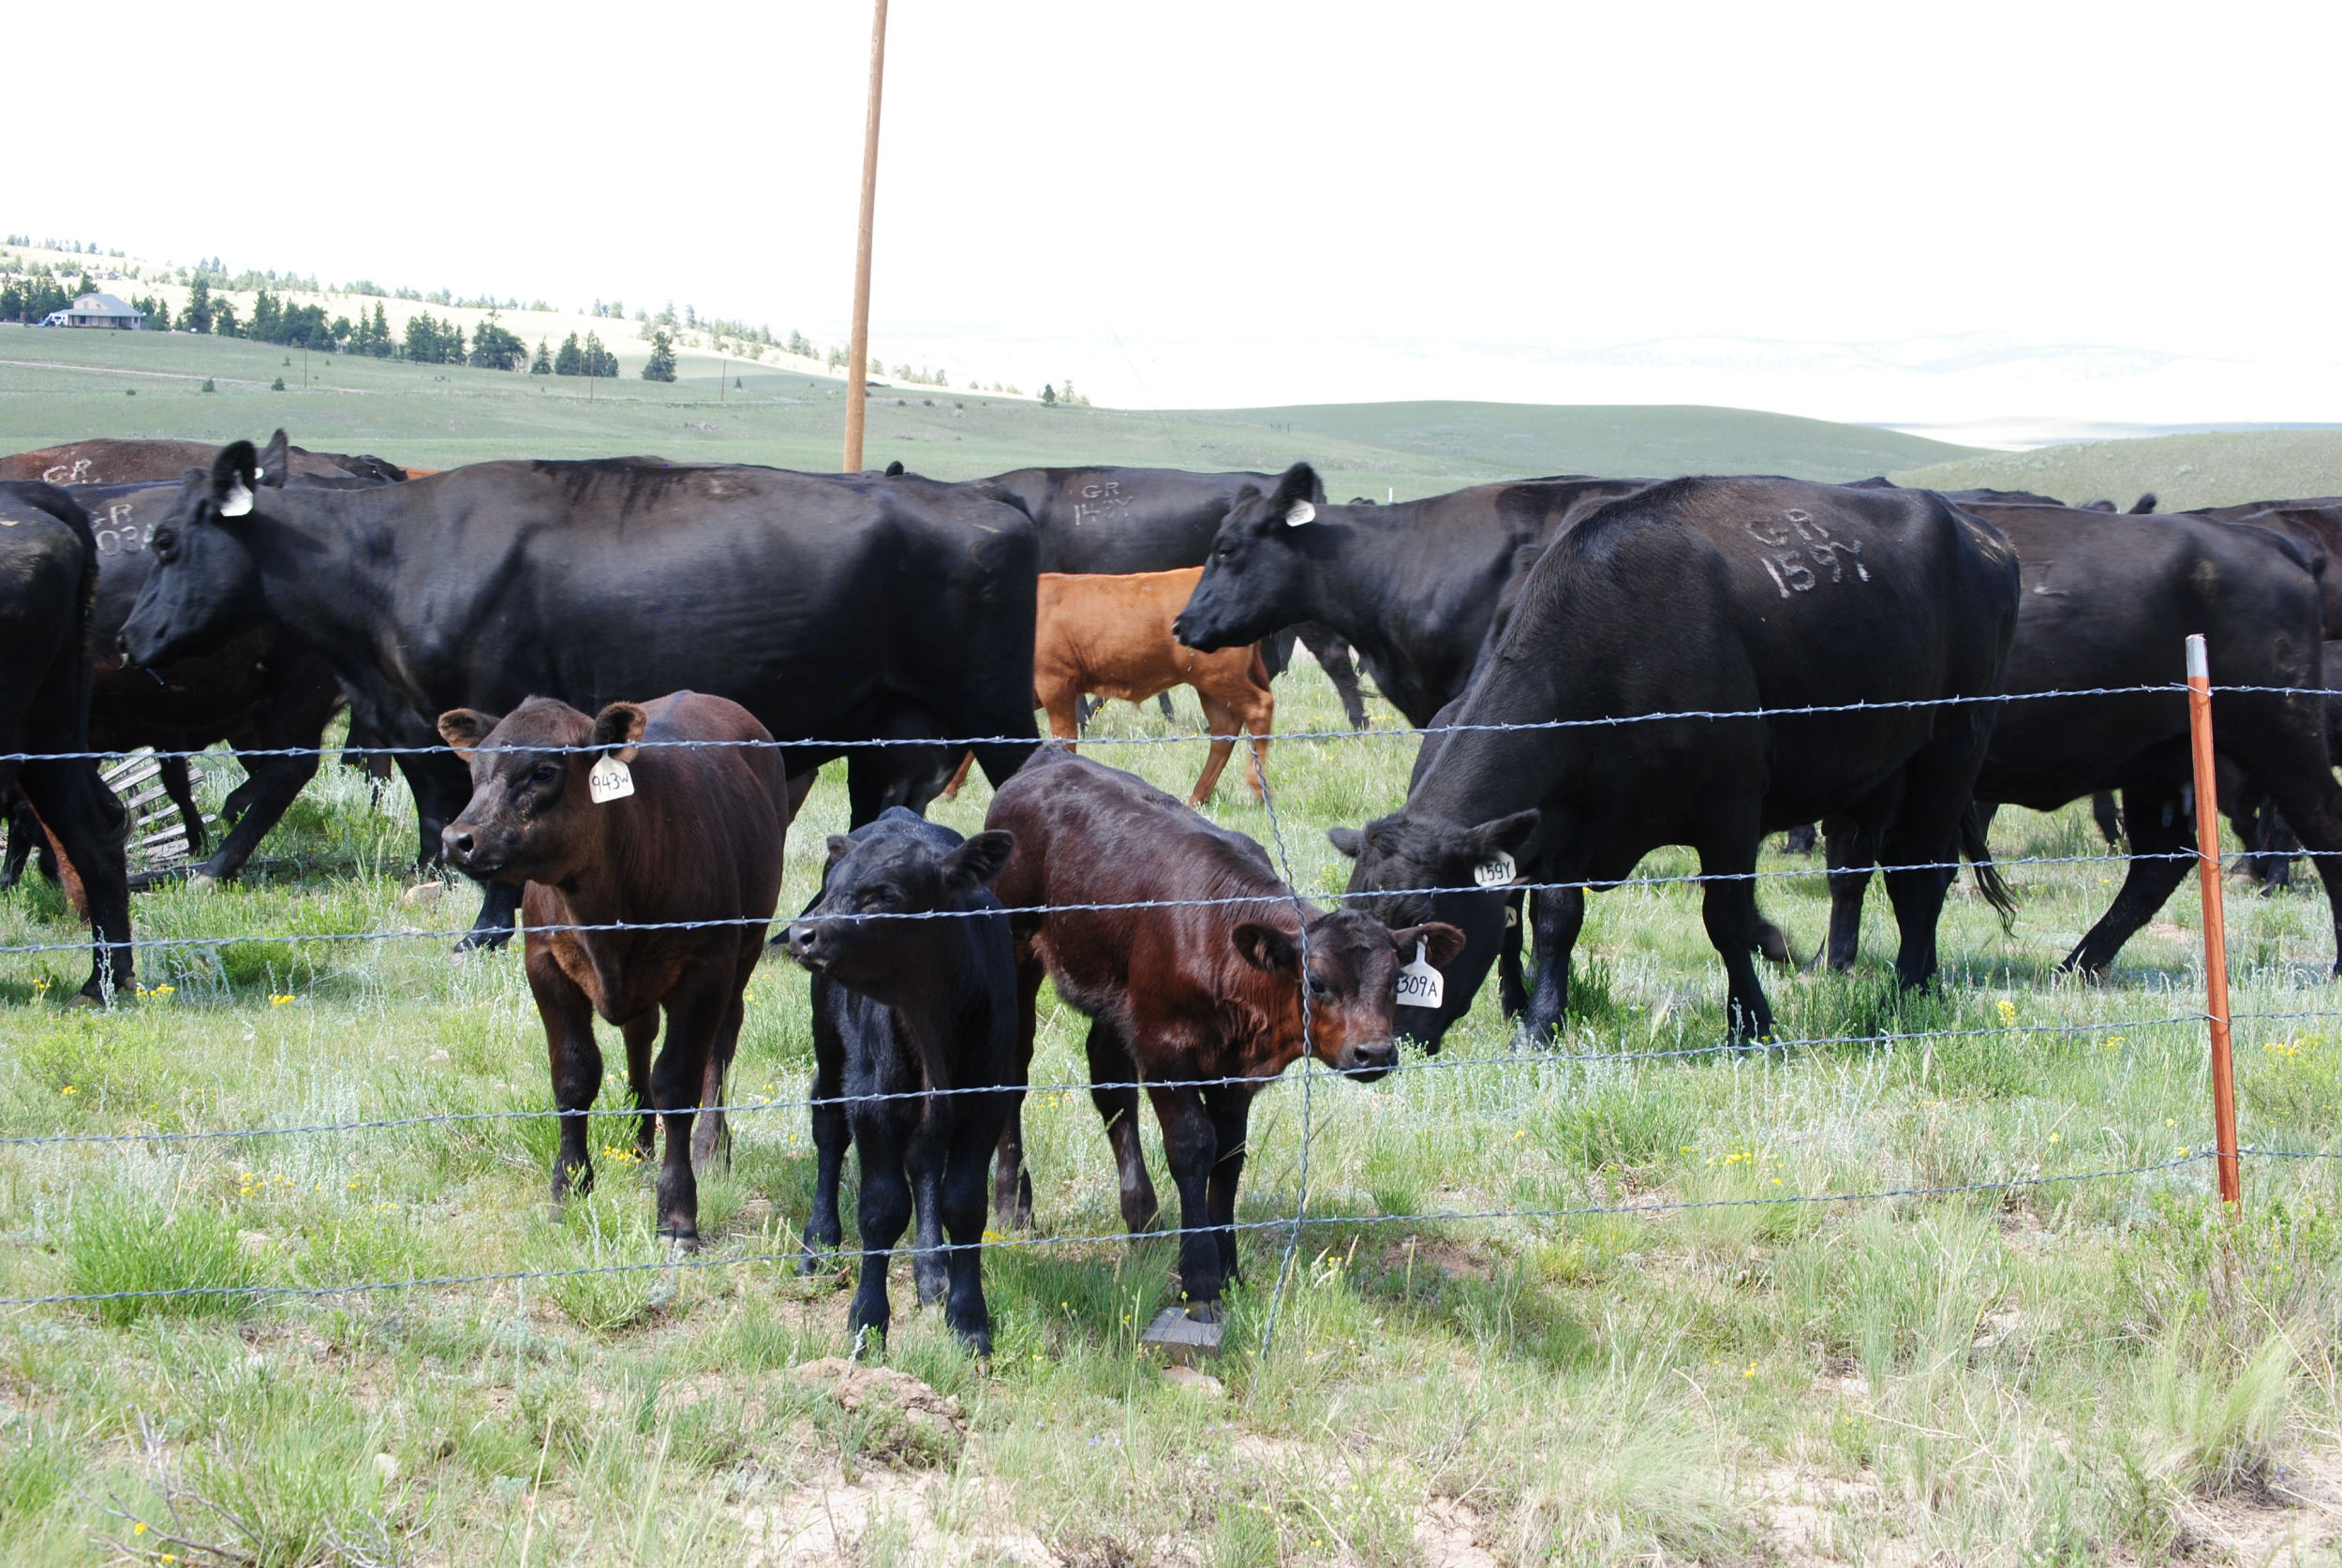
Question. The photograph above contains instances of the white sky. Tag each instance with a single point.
(1919, 213)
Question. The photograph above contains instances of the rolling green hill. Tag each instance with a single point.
(60, 386)
(2203, 470)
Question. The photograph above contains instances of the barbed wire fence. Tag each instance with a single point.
(1300, 1219)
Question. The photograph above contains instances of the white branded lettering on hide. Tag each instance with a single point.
(1419, 983)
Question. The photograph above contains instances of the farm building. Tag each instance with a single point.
(97, 310)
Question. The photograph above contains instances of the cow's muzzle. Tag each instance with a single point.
(803, 942)
(1369, 1061)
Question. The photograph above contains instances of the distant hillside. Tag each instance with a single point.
(1591, 438)
(2220, 469)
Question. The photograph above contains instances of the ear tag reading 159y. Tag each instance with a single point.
(1419, 985)
(1495, 871)
(609, 781)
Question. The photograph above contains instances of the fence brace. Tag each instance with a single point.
(2215, 921)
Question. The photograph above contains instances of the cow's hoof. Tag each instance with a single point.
(83, 999)
(202, 880)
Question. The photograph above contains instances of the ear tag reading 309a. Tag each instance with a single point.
(1419, 985)
(1496, 871)
(609, 780)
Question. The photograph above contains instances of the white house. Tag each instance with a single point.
(97, 310)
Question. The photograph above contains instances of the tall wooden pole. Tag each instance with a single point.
(2215, 921)
(858, 352)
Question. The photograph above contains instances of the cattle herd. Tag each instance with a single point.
(608, 684)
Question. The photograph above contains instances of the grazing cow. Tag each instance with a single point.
(2109, 602)
(1115, 521)
(109, 460)
(834, 609)
(1413, 586)
(697, 837)
(1204, 1001)
(47, 599)
(1112, 636)
(909, 1014)
(1779, 595)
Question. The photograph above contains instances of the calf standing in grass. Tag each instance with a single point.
(914, 1004)
(1202, 1000)
(679, 834)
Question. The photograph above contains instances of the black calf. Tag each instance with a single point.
(916, 1010)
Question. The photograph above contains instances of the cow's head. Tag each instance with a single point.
(205, 585)
(897, 869)
(1411, 870)
(532, 818)
(1350, 979)
(1257, 580)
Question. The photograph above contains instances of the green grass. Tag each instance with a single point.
(2080, 1372)
(60, 386)
(2222, 468)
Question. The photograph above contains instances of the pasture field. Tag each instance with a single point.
(59, 386)
(2211, 469)
(2067, 1370)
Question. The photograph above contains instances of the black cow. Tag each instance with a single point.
(47, 599)
(1119, 521)
(829, 607)
(1415, 586)
(2109, 602)
(1774, 595)
(909, 1015)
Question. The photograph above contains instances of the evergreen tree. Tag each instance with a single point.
(197, 317)
(572, 360)
(1049, 393)
(660, 365)
(542, 363)
(600, 361)
(379, 334)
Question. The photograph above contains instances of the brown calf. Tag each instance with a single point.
(698, 840)
(1204, 1000)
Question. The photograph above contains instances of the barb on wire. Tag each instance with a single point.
(1280, 1222)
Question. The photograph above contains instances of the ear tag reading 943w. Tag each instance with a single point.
(609, 781)
(1419, 985)
(1496, 871)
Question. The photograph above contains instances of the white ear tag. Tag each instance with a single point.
(1419, 985)
(1302, 512)
(1495, 871)
(237, 502)
(609, 781)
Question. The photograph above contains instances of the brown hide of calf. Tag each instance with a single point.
(1202, 990)
(699, 840)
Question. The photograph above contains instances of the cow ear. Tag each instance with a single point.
(619, 725)
(1441, 942)
(839, 845)
(233, 475)
(464, 729)
(979, 861)
(1299, 492)
(1348, 840)
(895, 469)
(1267, 948)
(1507, 833)
(274, 460)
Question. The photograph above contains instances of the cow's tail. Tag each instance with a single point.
(1988, 878)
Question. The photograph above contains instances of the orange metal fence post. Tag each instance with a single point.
(2215, 921)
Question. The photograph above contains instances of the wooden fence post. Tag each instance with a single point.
(2215, 921)
(859, 342)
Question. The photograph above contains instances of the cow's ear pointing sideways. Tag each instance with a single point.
(274, 460)
(979, 861)
(1266, 947)
(1295, 497)
(618, 725)
(1441, 941)
(1349, 841)
(233, 474)
(464, 729)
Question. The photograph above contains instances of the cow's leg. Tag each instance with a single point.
(23, 833)
(2109, 818)
(498, 903)
(1191, 1148)
(1557, 915)
(2300, 779)
(923, 1156)
(274, 783)
(1061, 700)
(1850, 855)
(1112, 1074)
(1799, 840)
(831, 1129)
(1221, 724)
(695, 1015)
(963, 1218)
(1162, 700)
(73, 803)
(576, 1061)
(711, 1137)
(642, 1033)
(1230, 1107)
(1332, 653)
(1012, 1184)
(171, 772)
(1728, 910)
(1512, 997)
(1260, 722)
(960, 775)
(2162, 838)
(882, 1208)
